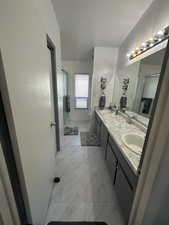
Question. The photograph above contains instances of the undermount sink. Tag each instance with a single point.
(134, 142)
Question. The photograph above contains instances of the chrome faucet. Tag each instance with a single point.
(129, 119)
(117, 110)
(114, 108)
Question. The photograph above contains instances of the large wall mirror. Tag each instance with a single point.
(148, 79)
(143, 81)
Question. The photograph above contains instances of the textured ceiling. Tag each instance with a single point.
(88, 23)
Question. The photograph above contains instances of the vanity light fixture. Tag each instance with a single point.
(161, 36)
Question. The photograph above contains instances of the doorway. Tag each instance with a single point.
(9, 168)
(54, 94)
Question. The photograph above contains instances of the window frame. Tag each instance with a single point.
(88, 98)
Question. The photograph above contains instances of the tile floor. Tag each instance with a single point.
(85, 192)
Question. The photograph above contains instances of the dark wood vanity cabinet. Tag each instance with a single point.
(112, 162)
(101, 132)
(124, 164)
(124, 191)
(97, 126)
(124, 179)
(104, 138)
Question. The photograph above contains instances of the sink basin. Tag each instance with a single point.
(134, 142)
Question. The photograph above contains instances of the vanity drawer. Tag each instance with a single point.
(132, 177)
(111, 161)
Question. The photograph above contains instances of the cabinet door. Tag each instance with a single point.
(98, 130)
(111, 162)
(104, 136)
(132, 177)
(124, 192)
(98, 125)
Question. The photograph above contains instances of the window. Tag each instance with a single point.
(81, 91)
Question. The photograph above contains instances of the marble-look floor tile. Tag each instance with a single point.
(103, 213)
(85, 212)
(66, 212)
(85, 192)
(70, 140)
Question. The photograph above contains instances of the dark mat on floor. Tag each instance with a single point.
(71, 131)
(89, 139)
(77, 223)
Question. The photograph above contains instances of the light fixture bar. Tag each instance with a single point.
(161, 36)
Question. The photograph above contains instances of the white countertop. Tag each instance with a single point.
(117, 127)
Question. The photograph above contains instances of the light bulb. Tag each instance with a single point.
(160, 32)
(151, 44)
(151, 39)
(156, 38)
(137, 50)
(143, 44)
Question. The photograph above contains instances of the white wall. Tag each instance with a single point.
(74, 67)
(158, 213)
(150, 87)
(104, 65)
(23, 27)
(155, 18)
(150, 83)
(148, 69)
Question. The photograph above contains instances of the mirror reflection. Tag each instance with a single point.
(148, 78)
(137, 100)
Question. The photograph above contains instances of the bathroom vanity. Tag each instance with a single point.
(122, 135)
(122, 162)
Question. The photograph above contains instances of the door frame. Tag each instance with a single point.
(52, 48)
(11, 152)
